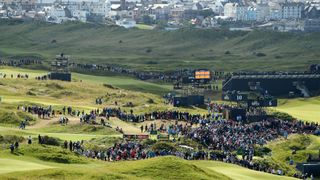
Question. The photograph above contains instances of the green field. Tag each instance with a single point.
(158, 50)
(301, 108)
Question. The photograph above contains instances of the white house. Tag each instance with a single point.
(230, 10)
(275, 11)
(246, 13)
(263, 12)
(56, 14)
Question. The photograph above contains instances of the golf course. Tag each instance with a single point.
(53, 162)
(117, 118)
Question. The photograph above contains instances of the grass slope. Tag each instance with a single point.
(302, 108)
(12, 165)
(161, 50)
(80, 168)
(237, 172)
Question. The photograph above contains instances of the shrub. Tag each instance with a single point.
(149, 142)
(283, 116)
(261, 151)
(30, 93)
(11, 139)
(25, 116)
(151, 62)
(150, 101)
(159, 146)
(51, 141)
(109, 86)
(54, 85)
(9, 118)
(148, 50)
(260, 54)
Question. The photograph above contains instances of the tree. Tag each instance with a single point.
(147, 19)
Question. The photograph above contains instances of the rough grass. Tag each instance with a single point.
(49, 153)
(9, 117)
(184, 48)
(82, 95)
(78, 129)
(282, 150)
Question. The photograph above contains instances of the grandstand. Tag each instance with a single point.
(277, 84)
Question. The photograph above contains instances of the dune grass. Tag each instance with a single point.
(145, 96)
(81, 168)
(161, 50)
(122, 82)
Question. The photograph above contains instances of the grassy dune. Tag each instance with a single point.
(156, 168)
(117, 81)
(161, 50)
(304, 109)
(51, 158)
(146, 97)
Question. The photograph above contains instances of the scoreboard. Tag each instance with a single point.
(202, 75)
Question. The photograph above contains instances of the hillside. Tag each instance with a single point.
(156, 168)
(162, 50)
(54, 162)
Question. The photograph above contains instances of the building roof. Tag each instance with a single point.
(115, 6)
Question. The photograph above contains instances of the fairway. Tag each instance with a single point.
(63, 136)
(302, 109)
(12, 165)
(237, 172)
(57, 161)
(122, 82)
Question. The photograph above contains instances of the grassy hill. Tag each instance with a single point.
(162, 50)
(156, 168)
(52, 162)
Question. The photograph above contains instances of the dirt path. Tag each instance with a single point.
(55, 120)
(128, 128)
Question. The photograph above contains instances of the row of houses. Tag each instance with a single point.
(127, 13)
(271, 11)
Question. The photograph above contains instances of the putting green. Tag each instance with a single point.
(11, 165)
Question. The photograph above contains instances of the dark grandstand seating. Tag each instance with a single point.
(276, 84)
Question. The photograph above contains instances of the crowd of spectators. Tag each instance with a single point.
(42, 112)
(229, 136)
(20, 61)
(143, 75)
(18, 76)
